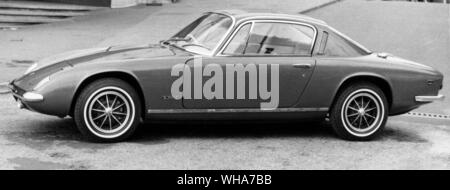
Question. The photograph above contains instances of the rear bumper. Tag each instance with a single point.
(439, 97)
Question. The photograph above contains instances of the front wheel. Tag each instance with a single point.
(107, 110)
(360, 112)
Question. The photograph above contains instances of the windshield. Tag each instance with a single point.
(204, 34)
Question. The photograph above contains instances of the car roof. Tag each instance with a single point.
(239, 15)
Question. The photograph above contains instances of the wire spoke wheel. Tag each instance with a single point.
(102, 113)
(362, 112)
(109, 112)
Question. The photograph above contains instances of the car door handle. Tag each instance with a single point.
(302, 65)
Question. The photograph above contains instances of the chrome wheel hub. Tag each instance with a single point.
(108, 110)
(361, 111)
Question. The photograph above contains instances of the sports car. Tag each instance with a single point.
(230, 65)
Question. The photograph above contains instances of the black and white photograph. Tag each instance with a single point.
(224, 85)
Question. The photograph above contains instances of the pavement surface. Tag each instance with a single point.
(34, 141)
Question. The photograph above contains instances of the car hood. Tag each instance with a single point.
(109, 53)
(116, 53)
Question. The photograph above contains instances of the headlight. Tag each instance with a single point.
(31, 68)
(42, 82)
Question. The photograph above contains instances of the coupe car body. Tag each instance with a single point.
(322, 73)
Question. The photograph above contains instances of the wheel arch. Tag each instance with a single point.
(375, 79)
(125, 76)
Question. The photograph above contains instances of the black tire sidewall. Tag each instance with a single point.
(82, 100)
(335, 114)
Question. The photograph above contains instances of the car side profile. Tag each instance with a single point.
(230, 64)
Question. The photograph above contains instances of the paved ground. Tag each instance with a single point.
(34, 141)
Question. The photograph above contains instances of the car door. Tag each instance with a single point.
(267, 62)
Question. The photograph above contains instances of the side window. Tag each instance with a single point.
(238, 43)
(280, 39)
(337, 46)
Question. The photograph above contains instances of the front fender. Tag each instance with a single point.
(62, 89)
(57, 93)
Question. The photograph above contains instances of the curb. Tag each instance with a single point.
(318, 7)
(4, 88)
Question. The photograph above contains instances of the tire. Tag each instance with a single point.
(107, 110)
(360, 112)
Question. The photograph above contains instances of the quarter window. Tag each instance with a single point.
(336, 46)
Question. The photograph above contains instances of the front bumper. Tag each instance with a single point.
(23, 97)
(51, 99)
(439, 97)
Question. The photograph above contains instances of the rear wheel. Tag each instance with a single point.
(107, 110)
(360, 112)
